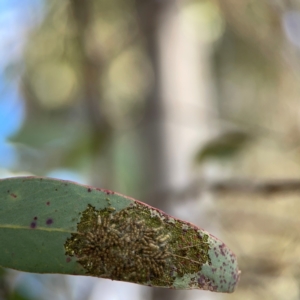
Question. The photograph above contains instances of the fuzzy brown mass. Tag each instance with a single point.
(120, 246)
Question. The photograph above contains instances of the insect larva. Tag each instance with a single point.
(163, 238)
(110, 208)
(152, 246)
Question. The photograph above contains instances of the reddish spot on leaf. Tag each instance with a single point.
(48, 203)
(49, 221)
(107, 192)
(222, 249)
(68, 259)
(33, 225)
(13, 195)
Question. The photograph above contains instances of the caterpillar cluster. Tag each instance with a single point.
(120, 246)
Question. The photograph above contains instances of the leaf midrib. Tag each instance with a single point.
(11, 226)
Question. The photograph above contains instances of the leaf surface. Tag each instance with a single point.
(57, 226)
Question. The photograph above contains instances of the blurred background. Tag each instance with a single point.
(192, 106)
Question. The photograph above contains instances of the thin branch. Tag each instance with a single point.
(269, 187)
(233, 186)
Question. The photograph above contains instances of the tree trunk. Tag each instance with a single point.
(178, 112)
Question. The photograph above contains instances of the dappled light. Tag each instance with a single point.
(190, 106)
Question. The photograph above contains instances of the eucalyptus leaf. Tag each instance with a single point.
(57, 226)
(224, 147)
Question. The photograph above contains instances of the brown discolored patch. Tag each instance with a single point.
(89, 190)
(48, 203)
(136, 245)
(119, 246)
(13, 195)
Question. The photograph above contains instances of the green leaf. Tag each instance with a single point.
(225, 146)
(56, 226)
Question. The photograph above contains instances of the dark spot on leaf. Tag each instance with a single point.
(35, 218)
(49, 221)
(107, 192)
(33, 225)
(89, 190)
(13, 195)
(48, 203)
(56, 189)
(68, 259)
(8, 191)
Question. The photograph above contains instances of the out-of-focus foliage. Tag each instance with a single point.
(224, 146)
(104, 56)
(6, 292)
(55, 87)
